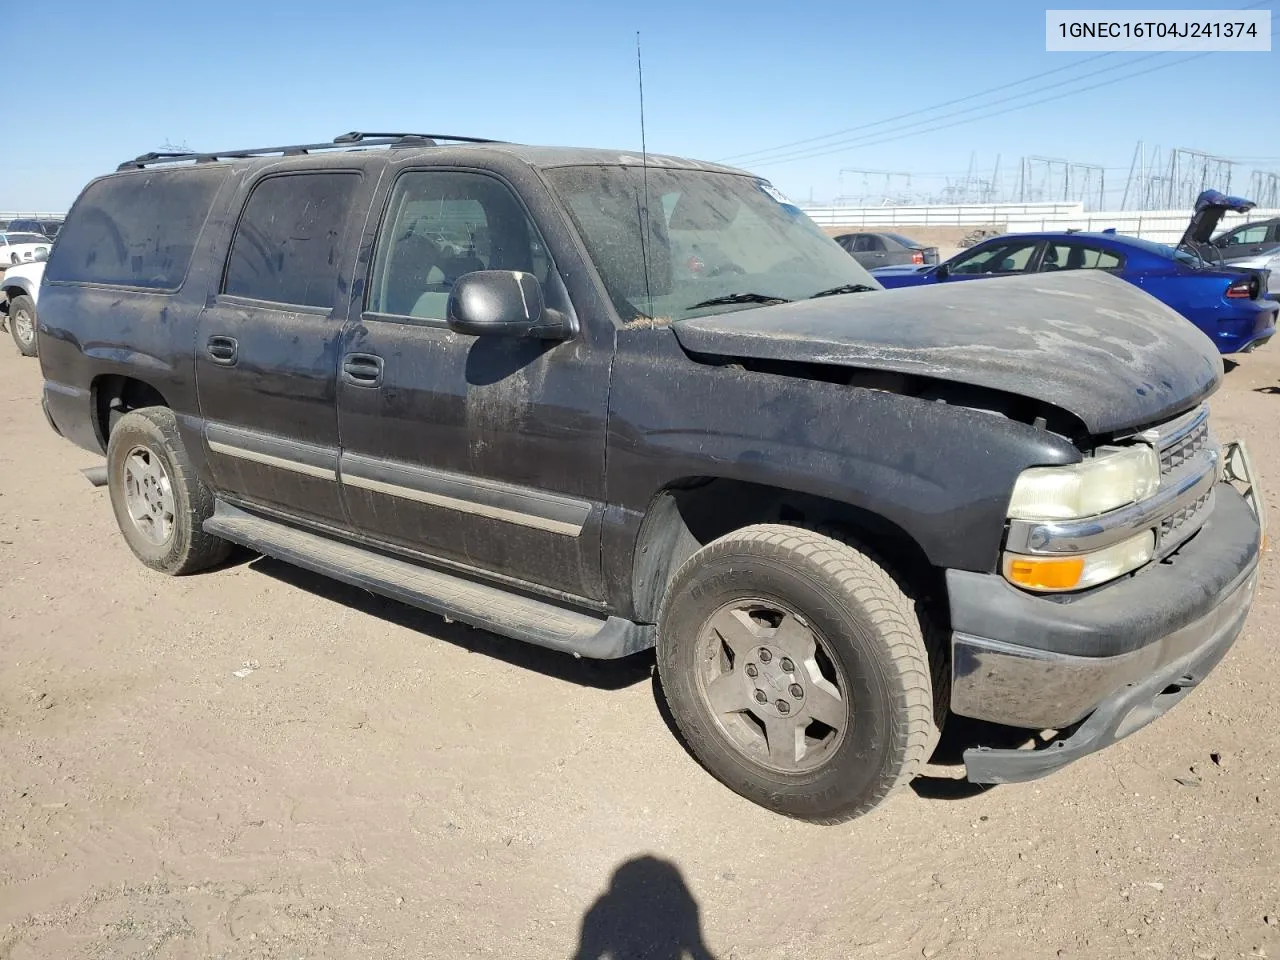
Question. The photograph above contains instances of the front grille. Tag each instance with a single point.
(1171, 524)
(1184, 448)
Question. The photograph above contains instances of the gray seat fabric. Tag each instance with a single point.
(409, 274)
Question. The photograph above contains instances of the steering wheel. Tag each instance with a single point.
(725, 268)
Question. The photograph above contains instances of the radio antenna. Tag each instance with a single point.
(644, 166)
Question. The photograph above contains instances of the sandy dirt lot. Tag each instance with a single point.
(259, 763)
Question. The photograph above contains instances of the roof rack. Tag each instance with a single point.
(345, 141)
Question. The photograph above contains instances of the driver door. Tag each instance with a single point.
(485, 453)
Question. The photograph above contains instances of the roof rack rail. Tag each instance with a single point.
(345, 141)
(356, 136)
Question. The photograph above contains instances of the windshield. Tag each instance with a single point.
(712, 236)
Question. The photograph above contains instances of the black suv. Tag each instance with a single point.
(601, 402)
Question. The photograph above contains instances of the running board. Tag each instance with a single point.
(478, 604)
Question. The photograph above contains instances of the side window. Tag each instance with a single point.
(875, 244)
(861, 243)
(287, 246)
(1247, 235)
(135, 229)
(1074, 256)
(440, 225)
(1006, 257)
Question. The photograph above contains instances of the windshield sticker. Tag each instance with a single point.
(778, 197)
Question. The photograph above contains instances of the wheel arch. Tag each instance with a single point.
(113, 395)
(689, 513)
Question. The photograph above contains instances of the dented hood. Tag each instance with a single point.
(1083, 341)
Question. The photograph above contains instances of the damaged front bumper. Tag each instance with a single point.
(1098, 666)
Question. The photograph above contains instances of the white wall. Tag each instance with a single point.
(1163, 226)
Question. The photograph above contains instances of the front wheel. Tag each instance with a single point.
(797, 670)
(22, 324)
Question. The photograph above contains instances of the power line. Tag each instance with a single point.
(912, 113)
(761, 156)
(862, 143)
(981, 106)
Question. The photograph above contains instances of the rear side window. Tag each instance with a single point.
(288, 245)
(135, 230)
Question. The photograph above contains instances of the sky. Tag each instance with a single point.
(106, 82)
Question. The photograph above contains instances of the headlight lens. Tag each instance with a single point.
(1088, 488)
(1052, 574)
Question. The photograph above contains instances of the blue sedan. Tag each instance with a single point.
(1229, 304)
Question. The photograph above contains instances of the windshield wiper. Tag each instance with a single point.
(738, 298)
(843, 288)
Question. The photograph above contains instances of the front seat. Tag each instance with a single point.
(408, 272)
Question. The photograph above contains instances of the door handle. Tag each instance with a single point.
(362, 369)
(223, 350)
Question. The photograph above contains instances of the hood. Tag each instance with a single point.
(1081, 340)
(1211, 206)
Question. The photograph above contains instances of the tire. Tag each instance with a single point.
(859, 688)
(22, 324)
(150, 476)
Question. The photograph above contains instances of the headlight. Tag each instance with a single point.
(1052, 574)
(1085, 489)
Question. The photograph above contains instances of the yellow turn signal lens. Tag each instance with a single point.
(1049, 573)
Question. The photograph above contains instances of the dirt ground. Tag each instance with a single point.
(257, 762)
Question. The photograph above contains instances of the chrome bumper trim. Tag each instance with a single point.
(1049, 537)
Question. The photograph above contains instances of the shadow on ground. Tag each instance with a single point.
(960, 734)
(602, 674)
(647, 912)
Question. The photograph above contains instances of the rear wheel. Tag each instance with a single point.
(797, 670)
(159, 502)
(22, 324)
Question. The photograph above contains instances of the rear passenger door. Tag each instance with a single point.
(868, 250)
(266, 347)
(1078, 256)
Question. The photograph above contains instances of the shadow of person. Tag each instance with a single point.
(647, 912)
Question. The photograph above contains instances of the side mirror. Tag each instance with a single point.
(40, 255)
(941, 272)
(503, 303)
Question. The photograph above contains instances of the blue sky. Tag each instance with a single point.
(721, 79)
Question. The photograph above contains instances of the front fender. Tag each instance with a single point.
(939, 472)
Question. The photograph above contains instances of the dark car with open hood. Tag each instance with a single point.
(604, 402)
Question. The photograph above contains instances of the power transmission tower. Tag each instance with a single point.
(1264, 188)
(1049, 178)
(887, 197)
(1191, 172)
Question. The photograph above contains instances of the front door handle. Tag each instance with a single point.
(362, 369)
(223, 350)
